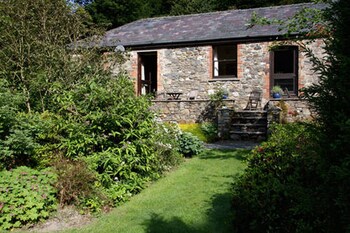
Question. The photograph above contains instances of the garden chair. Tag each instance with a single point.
(254, 101)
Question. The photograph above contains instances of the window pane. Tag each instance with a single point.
(227, 68)
(226, 52)
(284, 61)
(285, 83)
(225, 60)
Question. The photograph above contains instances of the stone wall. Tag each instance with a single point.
(188, 111)
(184, 70)
(278, 111)
(224, 122)
(189, 70)
(289, 110)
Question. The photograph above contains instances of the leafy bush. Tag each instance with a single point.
(280, 192)
(210, 130)
(206, 131)
(189, 145)
(98, 125)
(116, 134)
(195, 129)
(121, 173)
(31, 140)
(76, 184)
(72, 106)
(26, 196)
(166, 147)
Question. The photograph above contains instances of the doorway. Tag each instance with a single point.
(147, 73)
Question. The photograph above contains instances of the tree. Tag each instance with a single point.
(288, 179)
(33, 46)
(183, 7)
(114, 13)
(331, 99)
(61, 106)
(243, 4)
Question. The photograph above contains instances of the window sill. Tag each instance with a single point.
(292, 98)
(223, 79)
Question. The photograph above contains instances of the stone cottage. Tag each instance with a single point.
(183, 60)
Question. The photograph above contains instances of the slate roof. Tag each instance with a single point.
(196, 28)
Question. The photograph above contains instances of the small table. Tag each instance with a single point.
(174, 95)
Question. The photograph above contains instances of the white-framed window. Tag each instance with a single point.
(225, 61)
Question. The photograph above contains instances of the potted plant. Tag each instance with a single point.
(224, 93)
(277, 92)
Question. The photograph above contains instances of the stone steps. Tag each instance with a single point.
(249, 125)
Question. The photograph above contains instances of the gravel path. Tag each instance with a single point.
(232, 145)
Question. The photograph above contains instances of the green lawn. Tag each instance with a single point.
(195, 198)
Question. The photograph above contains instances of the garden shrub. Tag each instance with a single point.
(279, 191)
(210, 130)
(125, 171)
(67, 106)
(32, 140)
(123, 150)
(206, 131)
(189, 145)
(195, 129)
(26, 196)
(116, 134)
(76, 184)
(165, 145)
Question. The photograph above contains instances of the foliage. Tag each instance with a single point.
(189, 145)
(193, 198)
(331, 101)
(114, 13)
(34, 54)
(166, 147)
(206, 131)
(18, 148)
(124, 171)
(280, 191)
(210, 130)
(76, 184)
(195, 129)
(325, 165)
(184, 7)
(125, 149)
(29, 139)
(61, 105)
(277, 89)
(218, 95)
(16, 144)
(242, 4)
(26, 196)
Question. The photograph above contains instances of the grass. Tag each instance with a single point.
(195, 198)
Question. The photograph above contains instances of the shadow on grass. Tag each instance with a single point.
(239, 154)
(219, 219)
(158, 224)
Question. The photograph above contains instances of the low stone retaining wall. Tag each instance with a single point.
(192, 111)
(290, 110)
(278, 111)
(224, 122)
(188, 111)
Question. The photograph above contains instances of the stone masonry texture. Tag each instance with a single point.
(189, 70)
